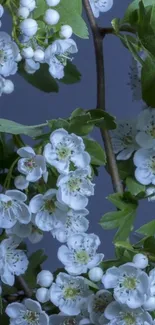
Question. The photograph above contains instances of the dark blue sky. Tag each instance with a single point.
(28, 105)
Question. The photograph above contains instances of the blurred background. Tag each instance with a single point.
(30, 106)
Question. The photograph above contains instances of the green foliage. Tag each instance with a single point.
(131, 14)
(126, 168)
(72, 75)
(148, 81)
(35, 261)
(122, 219)
(96, 152)
(12, 127)
(134, 187)
(148, 229)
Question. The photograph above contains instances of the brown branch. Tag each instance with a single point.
(109, 30)
(97, 37)
(21, 283)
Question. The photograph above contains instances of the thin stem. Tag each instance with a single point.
(98, 39)
(109, 30)
(24, 286)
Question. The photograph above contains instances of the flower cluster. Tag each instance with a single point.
(98, 6)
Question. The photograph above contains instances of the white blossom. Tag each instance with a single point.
(6, 86)
(59, 319)
(56, 56)
(135, 77)
(69, 293)
(23, 12)
(95, 274)
(116, 314)
(12, 261)
(144, 160)
(65, 149)
(27, 313)
(72, 223)
(80, 255)
(97, 304)
(45, 278)
(98, 6)
(146, 129)
(42, 295)
(31, 165)
(30, 4)
(31, 66)
(140, 261)
(39, 55)
(123, 139)
(28, 27)
(20, 182)
(149, 304)
(1, 11)
(150, 192)
(8, 54)
(13, 209)
(131, 285)
(47, 209)
(51, 17)
(66, 31)
(27, 52)
(74, 188)
(52, 3)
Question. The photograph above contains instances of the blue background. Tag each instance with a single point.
(30, 106)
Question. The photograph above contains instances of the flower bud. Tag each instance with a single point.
(39, 55)
(52, 3)
(42, 295)
(66, 31)
(30, 4)
(95, 274)
(23, 12)
(150, 304)
(18, 58)
(1, 11)
(27, 52)
(8, 87)
(51, 17)
(20, 182)
(45, 278)
(140, 261)
(28, 27)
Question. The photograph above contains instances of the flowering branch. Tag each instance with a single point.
(97, 37)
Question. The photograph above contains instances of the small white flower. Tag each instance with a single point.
(72, 223)
(42, 295)
(146, 129)
(52, 3)
(27, 313)
(66, 31)
(57, 54)
(13, 209)
(1, 11)
(123, 139)
(149, 304)
(95, 274)
(149, 192)
(31, 165)
(28, 27)
(100, 6)
(20, 182)
(60, 319)
(12, 261)
(8, 87)
(30, 4)
(74, 188)
(65, 149)
(131, 285)
(69, 293)
(39, 55)
(23, 12)
(123, 315)
(80, 255)
(47, 209)
(27, 52)
(51, 17)
(144, 160)
(45, 278)
(31, 66)
(97, 304)
(8, 55)
(140, 261)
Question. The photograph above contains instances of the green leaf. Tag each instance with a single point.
(149, 245)
(146, 33)
(5, 320)
(41, 79)
(72, 75)
(59, 123)
(78, 112)
(131, 14)
(115, 24)
(148, 82)
(70, 14)
(126, 225)
(96, 152)
(79, 125)
(148, 229)
(12, 127)
(124, 244)
(102, 119)
(35, 261)
(134, 187)
(40, 9)
(126, 168)
(91, 284)
(111, 220)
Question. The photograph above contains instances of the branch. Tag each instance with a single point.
(24, 286)
(109, 30)
(97, 37)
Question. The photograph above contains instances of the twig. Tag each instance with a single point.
(98, 39)
(109, 30)
(24, 286)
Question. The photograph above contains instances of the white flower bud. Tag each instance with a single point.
(150, 304)
(140, 261)
(95, 274)
(66, 31)
(23, 12)
(45, 278)
(28, 27)
(20, 182)
(39, 55)
(1, 11)
(8, 87)
(27, 52)
(30, 4)
(42, 295)
(52, 3)
(51, 17)
(18, 58)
